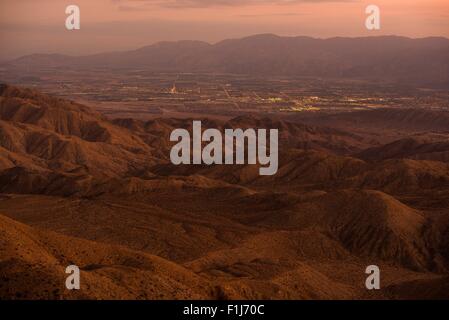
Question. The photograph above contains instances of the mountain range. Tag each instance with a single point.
(421, 62)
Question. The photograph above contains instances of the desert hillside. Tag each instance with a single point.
(79, 188)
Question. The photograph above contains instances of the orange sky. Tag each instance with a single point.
(29, 26)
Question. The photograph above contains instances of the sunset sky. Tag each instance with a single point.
(30, 26)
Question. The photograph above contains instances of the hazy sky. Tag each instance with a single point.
(31, 26)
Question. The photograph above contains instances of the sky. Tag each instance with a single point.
(38, 26)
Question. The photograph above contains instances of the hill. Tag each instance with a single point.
(33, 263)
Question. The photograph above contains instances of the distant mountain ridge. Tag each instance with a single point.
(422, 61)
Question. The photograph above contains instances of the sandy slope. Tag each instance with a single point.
(33, 262)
